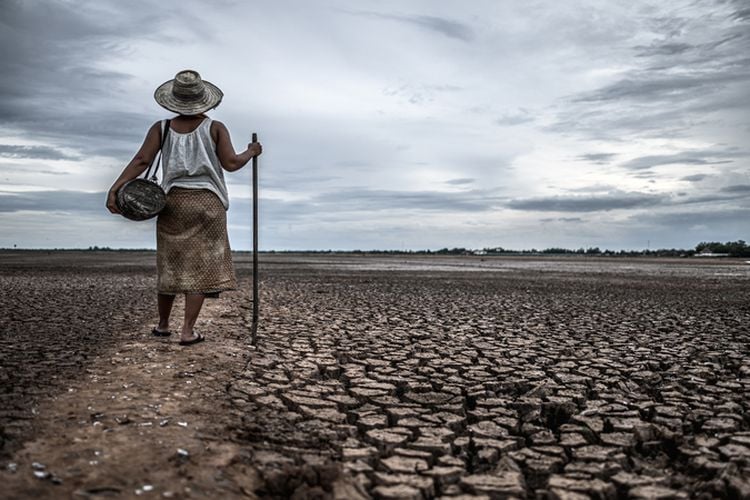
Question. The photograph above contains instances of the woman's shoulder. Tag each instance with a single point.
(154, 129)
(159, 125)
(217, 128)
(216, 124)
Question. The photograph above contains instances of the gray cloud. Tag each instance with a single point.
(29, 169)
(52, 87)
(53, 201)
(460, 182)
(354, 204)
(520, 117)
(703, 157)
(35, 152)
(696, 66)
(593, 188)
(380, 199)
(694, 177)
(711, 198)
(737, 188)
(561, 219)
(644, 88)
(286, 180)
(597, 158)
(593, 203)
(613, 122)
(648, 87)
(720, 218)
(446, 27)
(666, 49)
(617, 200)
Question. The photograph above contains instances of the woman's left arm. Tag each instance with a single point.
(137, 165)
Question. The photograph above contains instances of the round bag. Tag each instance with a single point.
(140, 199)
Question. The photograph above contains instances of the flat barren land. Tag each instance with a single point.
(379, 377)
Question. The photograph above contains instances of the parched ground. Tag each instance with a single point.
(382, 377)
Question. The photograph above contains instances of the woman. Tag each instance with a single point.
(192, 249)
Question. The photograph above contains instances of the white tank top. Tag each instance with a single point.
(189, 161)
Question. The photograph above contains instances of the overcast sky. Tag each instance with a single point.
(393, 124)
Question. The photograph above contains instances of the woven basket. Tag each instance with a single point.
(140, 199)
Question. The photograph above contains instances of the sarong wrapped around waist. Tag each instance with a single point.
(192, 246)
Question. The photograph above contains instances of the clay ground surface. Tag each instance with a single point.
(379, 377)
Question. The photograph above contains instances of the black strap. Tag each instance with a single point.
(157, 157)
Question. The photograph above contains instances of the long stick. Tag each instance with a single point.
(256, 298)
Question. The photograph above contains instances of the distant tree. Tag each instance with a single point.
(734, 248)
(452, 251)
(556, 250)
(738, 248)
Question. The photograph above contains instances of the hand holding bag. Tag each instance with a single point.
(143, 198)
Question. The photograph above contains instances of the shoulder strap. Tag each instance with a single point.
(157, 157)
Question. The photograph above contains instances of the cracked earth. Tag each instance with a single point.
(393, 378)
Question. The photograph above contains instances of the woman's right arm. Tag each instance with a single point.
(137, 165)
(230, 160)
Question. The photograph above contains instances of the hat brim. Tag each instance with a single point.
(166, 99)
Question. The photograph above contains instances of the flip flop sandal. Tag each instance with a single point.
(157, 333)
(199, 338)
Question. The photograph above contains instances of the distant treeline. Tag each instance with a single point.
(730, 249)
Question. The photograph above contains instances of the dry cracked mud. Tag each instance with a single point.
(399, 378)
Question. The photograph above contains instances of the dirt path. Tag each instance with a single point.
(146, 420)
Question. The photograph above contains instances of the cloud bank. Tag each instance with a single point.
(415, 125)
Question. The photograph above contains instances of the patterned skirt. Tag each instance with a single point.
(192, 247)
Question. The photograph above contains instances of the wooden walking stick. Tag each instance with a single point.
(254, 328)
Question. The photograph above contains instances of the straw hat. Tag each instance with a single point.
(188, 94)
